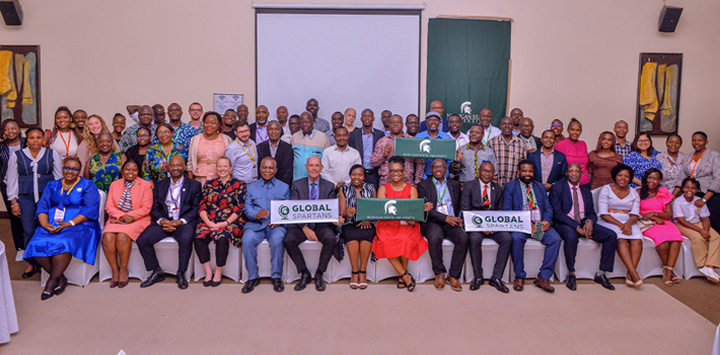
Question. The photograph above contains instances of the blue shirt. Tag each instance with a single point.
(313, 196)
(367, 142)
(428, 162)
(443, 196)
(258, 196)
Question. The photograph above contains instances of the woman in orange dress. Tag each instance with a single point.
(399, 241)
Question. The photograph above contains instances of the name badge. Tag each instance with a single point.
(443, 209)
(59, 215)
(535, 215)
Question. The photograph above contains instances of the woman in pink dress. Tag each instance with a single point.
(128, 207)
(206, 148)
(656, 210)
(575, 150)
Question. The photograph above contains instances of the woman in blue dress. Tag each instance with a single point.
(67, 213)
(642, 158)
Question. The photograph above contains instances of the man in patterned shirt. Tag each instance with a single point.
(183, 131)
(145, 120)
(622, 146)
(509, 151)
(385, 149)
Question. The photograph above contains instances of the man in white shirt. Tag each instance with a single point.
(454, 124)
(243, 154)
(490, 131)
(339, 158)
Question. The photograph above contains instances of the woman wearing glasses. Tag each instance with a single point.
(28, 171)
(642, 158)
(67, 214)
(158, 156)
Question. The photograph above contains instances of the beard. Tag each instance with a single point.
(526, 180)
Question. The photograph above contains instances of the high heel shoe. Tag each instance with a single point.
(354, 285)
(363, 285)
(61, 286)
(411, 286)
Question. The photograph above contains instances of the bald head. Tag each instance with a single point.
(261, 115)
(313, 167)
(437, 106)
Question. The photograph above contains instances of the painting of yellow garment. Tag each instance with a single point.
(667, 106)
(20, 84)
(648, 93)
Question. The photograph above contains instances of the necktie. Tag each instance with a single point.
(531, 201)
(313, 190)
(576, 205)
(486, 200)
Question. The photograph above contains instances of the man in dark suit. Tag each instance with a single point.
(311, 187)
(364, 141)
(525, 194)
(443, 222)
(549, 165)
(174, 214)
(258, 130)
(281, 151)
(575, 217)
(483, 194)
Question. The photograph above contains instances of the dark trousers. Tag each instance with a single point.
(435, 233)
(372, 177)
(504, 241)
(601, 235)
(202, 248)
(713, 205)
(325, 233)
(28, 207)
(15, 222)
(184, 236)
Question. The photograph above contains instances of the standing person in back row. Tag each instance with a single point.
(622, 146)
(306, 143)
(509, 151)
(436, 106)
(364, 141)
(433, 132)
(312, 106)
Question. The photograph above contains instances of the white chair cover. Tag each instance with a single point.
(343, 270)
(311, 252)
(534, 252)
(231, 268)
(136, 266)
(690, 270)
(650, 264)
(489, 254)
(264, 259)
(8, 316)
(587, 262)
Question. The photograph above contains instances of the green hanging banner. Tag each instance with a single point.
(389, 209)
(425, 148)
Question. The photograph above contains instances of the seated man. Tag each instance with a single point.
(443, 222)
(549, 164)
(311, 187)
(256, 210)
(575, 217)
(524, 194)
(479, 195)
(174, 214)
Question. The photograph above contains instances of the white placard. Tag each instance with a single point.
(497, 221)
(304, 211)
(224, 102)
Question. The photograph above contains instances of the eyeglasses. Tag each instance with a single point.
(396, 171)
(69, 168)
(196, 109)
(556, 125)
(143, 136)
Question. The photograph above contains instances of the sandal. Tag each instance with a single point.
(354, 285)
(400, 283)
(410, 287)
(363, 285)
(628, 280)
(667, 279)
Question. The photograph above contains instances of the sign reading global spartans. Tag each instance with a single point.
(304, 211)
(497, 221)
(425, 148)
(388, 209)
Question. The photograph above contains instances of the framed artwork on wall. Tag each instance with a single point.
(20, 84)
(659, 79)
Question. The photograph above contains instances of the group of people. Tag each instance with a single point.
(212, 180)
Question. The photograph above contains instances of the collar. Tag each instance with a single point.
(444, 182)
(542, 151)
(176, 184)
(316, 182)
(337, 148)
(469, 147)
(266, 183)
(308, 134)
(571, 185)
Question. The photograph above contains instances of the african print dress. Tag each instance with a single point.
(155, 164)
(104, 174)
(220, 200)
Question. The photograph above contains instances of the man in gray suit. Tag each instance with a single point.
(311, 187)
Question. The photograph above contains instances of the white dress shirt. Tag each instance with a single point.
(173, 200)
(337, 163)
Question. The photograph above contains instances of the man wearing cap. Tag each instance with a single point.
(433, 120)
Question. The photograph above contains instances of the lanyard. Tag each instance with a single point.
(692, 172)
(252, 157)
(487, 136)
(66, 143)
(172, 198)
(438, 192)
(62, 189)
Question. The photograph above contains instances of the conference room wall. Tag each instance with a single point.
(570, 58)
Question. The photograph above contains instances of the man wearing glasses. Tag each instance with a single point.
(196, 111)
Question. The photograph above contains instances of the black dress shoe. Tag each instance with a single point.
(155, 277)
(305, 279)
(250, 285)
(571, 283)
(278, 285)
(207, 283)
(61, 286)
(603, 280)
(319, 282)
(182, 282)
(29, 274)
(476, 283)
(498, 284)
(215, 283)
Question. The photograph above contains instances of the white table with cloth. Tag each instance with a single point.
(8, 317)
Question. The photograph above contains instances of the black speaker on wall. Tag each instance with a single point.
(11, 12)
(669, 17)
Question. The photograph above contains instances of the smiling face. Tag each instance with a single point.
(485, 117)
(396, 172)
(211, 124)
(243, 133)
(71, 171)
(282, 115)
(130, 171)
(643, 143)
(574, 130)
(313, 167)
(261, 115)
(312, 106)
(350, 116)
(223, 167)
(526, 173)
(336, 120)
(622, 179)
(573, 173)
(229, 118)
(196, 111)
(698, 142)
(307, 122)
(607, 141)
(433, 123)
(176, 167)
(79, 118)
(506, 126)
(94, 126)
(341, 137)
(143, 137)
(557, 127)
(62, 120)
(274, 131)
(621, 129)
(438, 169)
(175, 112)
(105, 143)
(548, 139)
(475, 134)
(164, 135)
(689, 190)
(367, 118)
(357, 177)
(268, 168)
(12, 130)
(454, 124)
(487, 171)
(145, 115)
(412, 123)
(119, 124)
(673, 144)
(653, 180)
(35, 140)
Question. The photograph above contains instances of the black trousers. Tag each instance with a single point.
(435, 233)
(184, 236)
(372, 177)
(713, 205)
(16, 225)
(601, 235)
(504, 241)
(202, 248)
(326, 235)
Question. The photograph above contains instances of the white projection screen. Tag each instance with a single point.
(343, 58)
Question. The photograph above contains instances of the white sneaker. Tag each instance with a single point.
(710, 274)
(714, 273)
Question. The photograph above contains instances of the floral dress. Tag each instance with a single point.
(104, 174)
(155, 164)
(220, 200)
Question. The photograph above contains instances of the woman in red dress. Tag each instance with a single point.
(399, 241)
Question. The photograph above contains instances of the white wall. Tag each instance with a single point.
(570, 58)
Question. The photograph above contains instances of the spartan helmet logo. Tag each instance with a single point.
(466, 108)
(425, 146)
(477, 220)
(390, 207)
